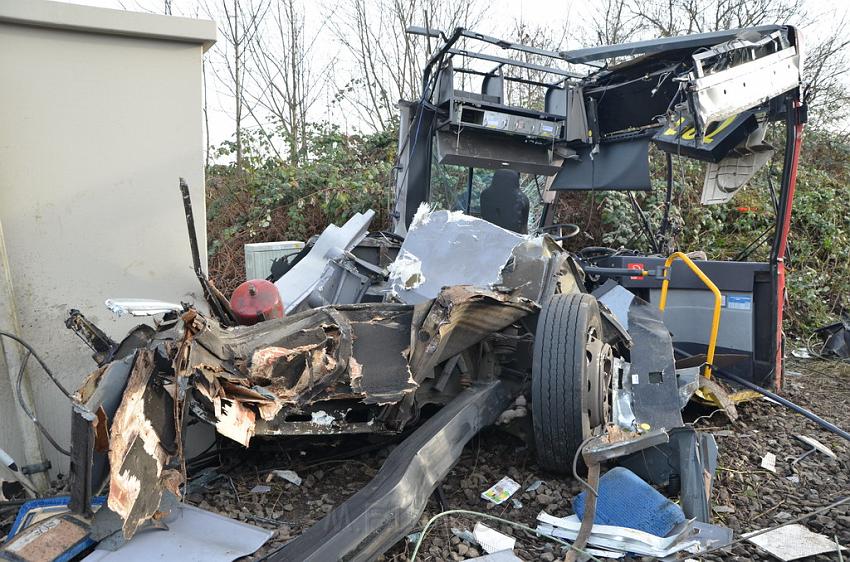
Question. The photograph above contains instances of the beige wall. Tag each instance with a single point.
(95, 130)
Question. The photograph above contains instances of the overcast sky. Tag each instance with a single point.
(567, 14)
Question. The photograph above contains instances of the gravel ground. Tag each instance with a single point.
(746, 496)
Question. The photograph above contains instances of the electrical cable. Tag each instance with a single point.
(653, 244)
(19, 391)
(575, 466)
(29, 413)
(668, 201)
(41, 362)
(493, 518)
(753, 246)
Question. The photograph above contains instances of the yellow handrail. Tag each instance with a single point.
(715, 321)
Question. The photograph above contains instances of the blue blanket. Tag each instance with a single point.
(627, 501)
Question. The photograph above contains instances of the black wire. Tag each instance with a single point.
(41, 362)
(29, 413)
(668, 200)
(653, 244)
(753, 246)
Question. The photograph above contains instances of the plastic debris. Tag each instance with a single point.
(502, 556)
(414, 537)
(501, 490)
(802, 353)
(815, 446)
(534, 485)
(492, 540)
(768, 462)
(792, 542)
(625, 500)
(261, 489)
(619, 539)
(288, 475)
(516, 503)
(464, 535)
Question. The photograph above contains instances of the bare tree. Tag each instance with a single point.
(284, 84)
(386, 62)
(523, 91)
(239, 24)
(826, 68)
(613, 23)
(665, 18)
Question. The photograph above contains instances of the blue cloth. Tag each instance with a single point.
(627, 501)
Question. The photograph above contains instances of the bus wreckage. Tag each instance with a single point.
(468, 303)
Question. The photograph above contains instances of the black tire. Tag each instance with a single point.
(560, 394)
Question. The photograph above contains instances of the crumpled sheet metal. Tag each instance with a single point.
(298, 283)
(450, 248)
(459, 318)
(236, 378)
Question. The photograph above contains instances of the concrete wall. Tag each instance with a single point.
(100, 113)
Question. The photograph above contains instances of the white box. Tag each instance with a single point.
(260, 256)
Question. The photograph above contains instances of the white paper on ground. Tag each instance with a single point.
(618, 538)
(768, 462)
(193, 535)
(794, 541)
(492, 540)
(288, 475)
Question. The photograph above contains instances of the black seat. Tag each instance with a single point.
(503, 204)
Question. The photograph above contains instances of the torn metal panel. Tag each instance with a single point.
(459, 318)
(297, 284)
(732, 89)
(686, 465)
(378, 367)
(235, 420)
(100, 393)
(445, 248)
(278, 371)
(652, 379)
(532, 268)
(189, 531)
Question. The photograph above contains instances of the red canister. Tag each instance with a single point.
(256, 300)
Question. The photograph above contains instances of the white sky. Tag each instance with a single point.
(501, 15)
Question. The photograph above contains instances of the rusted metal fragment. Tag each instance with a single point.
(459, 318)
(137, 454)
(87, 389)
(289, 373)
(101, 431)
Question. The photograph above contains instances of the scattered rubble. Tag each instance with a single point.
(381, 358)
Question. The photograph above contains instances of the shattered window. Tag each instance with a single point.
(449, 190)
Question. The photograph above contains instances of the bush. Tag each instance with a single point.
(818, 266)
(271, 199)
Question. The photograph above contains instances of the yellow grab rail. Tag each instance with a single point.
(715, 321)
